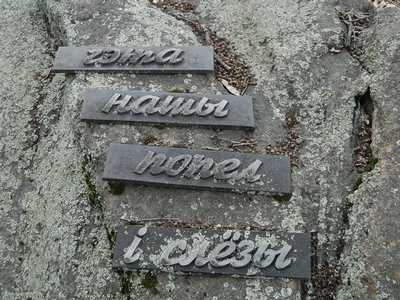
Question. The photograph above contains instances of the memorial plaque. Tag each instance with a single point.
(218, 252)
(222, 111)
(212, 170)
(137, 60)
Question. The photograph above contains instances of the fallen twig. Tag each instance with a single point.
(210, 148)
(133, 220)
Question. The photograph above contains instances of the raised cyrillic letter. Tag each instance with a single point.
(170, 55)
(201, 164)
(114, 101)
(152, 160)
(226, 169)
(181, 161)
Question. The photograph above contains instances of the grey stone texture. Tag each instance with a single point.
(58, 217)
(371, 257)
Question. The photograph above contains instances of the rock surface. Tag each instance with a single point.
(59, 218)
(371, 257)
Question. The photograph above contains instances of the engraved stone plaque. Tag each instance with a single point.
(213, 170)
(222, 111)
(137, 60)
(210, 251)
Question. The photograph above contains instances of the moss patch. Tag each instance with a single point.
(111, 236)
(282, 198)
(126, 284)
(150, 282)
(116, 188)
(371, 164)
(177, 89)
(357, 183)
(91, 190)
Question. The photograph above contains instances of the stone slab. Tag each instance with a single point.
(228, 171)
(213, 252)
(157, 60)
(221, 111)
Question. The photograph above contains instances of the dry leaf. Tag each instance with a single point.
(230, 88)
